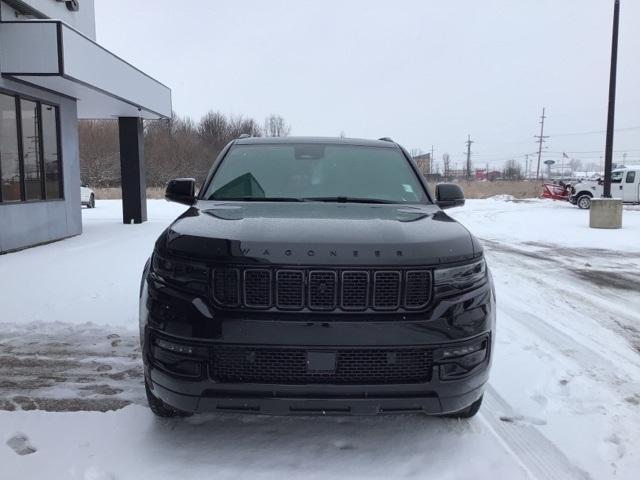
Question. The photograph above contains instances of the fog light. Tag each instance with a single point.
(470, 361)
(460, 360)
(451, 353)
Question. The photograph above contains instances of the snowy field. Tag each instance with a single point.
(564, 399)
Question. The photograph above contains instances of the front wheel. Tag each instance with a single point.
(468, 412)
(584, 202)
(92, 201)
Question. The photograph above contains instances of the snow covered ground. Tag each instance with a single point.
(564, 399)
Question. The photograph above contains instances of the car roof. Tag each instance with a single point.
(360, 142)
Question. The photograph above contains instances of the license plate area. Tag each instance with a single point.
(321, 361)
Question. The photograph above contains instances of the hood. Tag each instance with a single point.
(317, 233)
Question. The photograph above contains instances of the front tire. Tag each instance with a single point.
(159, 408)
(584, 202)
(468, 412)
(92, 201)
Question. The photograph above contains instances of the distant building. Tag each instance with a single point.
(481, 174)
(424, 163)
(53, 73)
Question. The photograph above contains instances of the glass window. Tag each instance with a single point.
(313, 170)
(31, 150)
(50, 151)
(616, 177)
(631, 176)
(9, 154)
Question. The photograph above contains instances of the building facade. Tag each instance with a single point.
(53, 73)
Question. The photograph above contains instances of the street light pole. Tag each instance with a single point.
(608, 155)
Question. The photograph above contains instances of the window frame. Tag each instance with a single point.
(17, 97)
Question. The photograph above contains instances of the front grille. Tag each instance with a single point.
(322, 290)
(288, 366)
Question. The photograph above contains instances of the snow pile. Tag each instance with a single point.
(502, 198)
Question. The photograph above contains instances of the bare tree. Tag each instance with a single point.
(275, 126)
(173, 149)
(177, 147)
(512, 170)
(446, 165)
(99, 152)
(575, 164)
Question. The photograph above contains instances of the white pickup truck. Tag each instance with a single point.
(625, 184)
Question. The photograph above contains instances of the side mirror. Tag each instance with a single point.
(181, 190)
(449, 195)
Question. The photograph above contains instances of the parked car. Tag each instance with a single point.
(316, 276)
(625, 184)
(87, 196)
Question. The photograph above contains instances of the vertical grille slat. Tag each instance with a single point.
(290, 289)
(355, 290)
(257, 288)
(386, 290)
(417, 288)
(323, 286)
(226, 286)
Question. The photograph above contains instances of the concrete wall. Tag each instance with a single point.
(26, 224)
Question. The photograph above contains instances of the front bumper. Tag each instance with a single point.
(192, 323)
(434, 398)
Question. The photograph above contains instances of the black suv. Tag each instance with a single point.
(316, 276)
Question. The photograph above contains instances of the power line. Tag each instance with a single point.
(594, 132)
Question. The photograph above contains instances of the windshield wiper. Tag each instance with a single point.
(258, 199)
(348, 200)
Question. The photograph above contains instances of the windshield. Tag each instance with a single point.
(616, 177)
(295, 172)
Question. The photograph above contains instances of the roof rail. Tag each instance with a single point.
(244, 135)
(386, 139)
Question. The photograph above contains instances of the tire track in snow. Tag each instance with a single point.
(588, 358)
(535, 453)
(59, 367)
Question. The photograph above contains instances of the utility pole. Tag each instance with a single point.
(526, 166)
(540, 138)
(469, 142)
(608, 153)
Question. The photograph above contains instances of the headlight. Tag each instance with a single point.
(189, 275)
(460, 277)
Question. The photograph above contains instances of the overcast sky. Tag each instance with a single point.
(423, 72)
